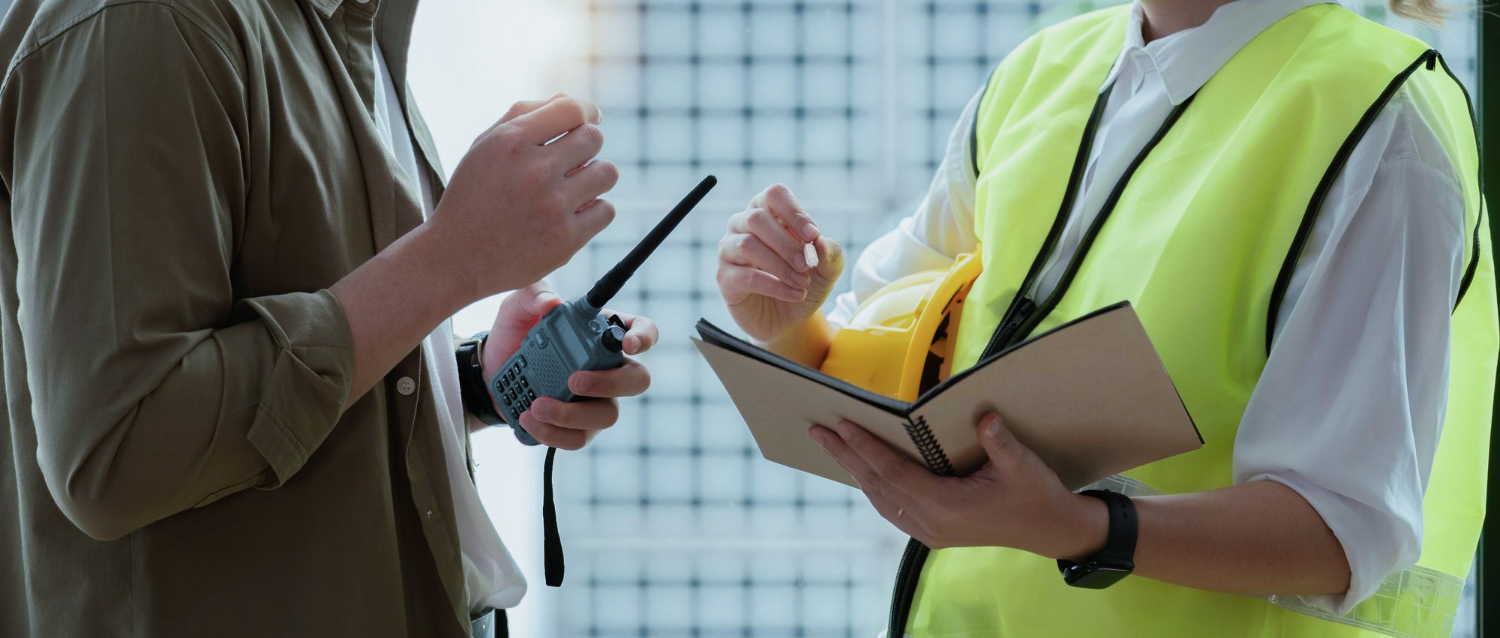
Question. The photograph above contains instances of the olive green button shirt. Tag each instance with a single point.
(182, 181)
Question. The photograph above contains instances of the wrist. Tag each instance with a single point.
(806, 342)
(474, 384)
(489, 360)
(436, 247)
(1081, 531)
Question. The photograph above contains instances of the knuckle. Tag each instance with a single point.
(504, 135)
(728, 278)
(609, 413)
(606, 211)
(601, 385)
(610, 171)
(740, 222)
(556, 413)
(580, 384)
(571, 107)
(591, 135)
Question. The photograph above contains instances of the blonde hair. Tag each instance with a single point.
(1432, 12)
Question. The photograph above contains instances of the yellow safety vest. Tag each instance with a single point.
(1202, 242)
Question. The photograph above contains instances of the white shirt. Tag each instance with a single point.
(1349, 407)
(491, 577)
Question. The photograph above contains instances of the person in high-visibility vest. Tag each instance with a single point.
(1289, 195)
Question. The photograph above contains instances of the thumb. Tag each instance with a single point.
(998, 442)
(830, 263)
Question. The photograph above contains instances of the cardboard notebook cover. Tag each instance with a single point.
(1090, 397)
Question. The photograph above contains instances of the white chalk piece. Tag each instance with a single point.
(810, 253)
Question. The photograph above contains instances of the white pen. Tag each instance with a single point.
(810, 253)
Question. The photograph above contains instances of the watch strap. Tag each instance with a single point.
(1117, 559)
(471, 382)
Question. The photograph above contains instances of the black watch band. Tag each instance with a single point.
(1117, 559)
(471, 381)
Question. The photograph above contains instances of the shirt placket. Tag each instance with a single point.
(394, 211)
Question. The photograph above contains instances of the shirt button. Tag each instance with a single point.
(406, 386)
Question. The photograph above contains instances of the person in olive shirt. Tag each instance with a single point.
(228, 262)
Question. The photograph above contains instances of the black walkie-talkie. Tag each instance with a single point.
(571, 337)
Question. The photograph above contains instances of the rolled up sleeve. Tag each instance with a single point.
(155, 385)
(1350, 407)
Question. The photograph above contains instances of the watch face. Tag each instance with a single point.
(1096, 574)
(1100, 578)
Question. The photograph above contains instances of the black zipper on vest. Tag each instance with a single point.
(1022, 305)
(906, 586)
(1024, 313)
(1025, 327)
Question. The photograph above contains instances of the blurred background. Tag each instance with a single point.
(673, 524)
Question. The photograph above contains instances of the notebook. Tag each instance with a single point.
(1090, 397)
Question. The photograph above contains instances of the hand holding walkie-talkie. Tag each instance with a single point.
(573, 336)
(576, 335)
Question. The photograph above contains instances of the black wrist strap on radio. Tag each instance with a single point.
(476, 399)
(551, 541)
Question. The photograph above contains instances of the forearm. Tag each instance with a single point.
(396, 299)
(1258, 538)
(807, 343)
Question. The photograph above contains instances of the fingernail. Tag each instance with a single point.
(799, 263)
(547, 296)
(816, 435)
(993, 429)
(809, 232)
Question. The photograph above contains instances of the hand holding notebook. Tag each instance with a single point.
(1090, 398)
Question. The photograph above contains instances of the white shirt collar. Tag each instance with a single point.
(1187, 59)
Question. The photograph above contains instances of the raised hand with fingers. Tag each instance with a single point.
(764, 274)
(526, 197)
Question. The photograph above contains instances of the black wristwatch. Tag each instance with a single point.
(471, 382)
(1117, 559)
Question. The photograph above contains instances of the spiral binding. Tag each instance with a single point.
(927, 444)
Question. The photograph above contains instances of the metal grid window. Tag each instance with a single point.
(674, 524)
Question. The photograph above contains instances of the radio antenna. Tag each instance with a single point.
(612, 281)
